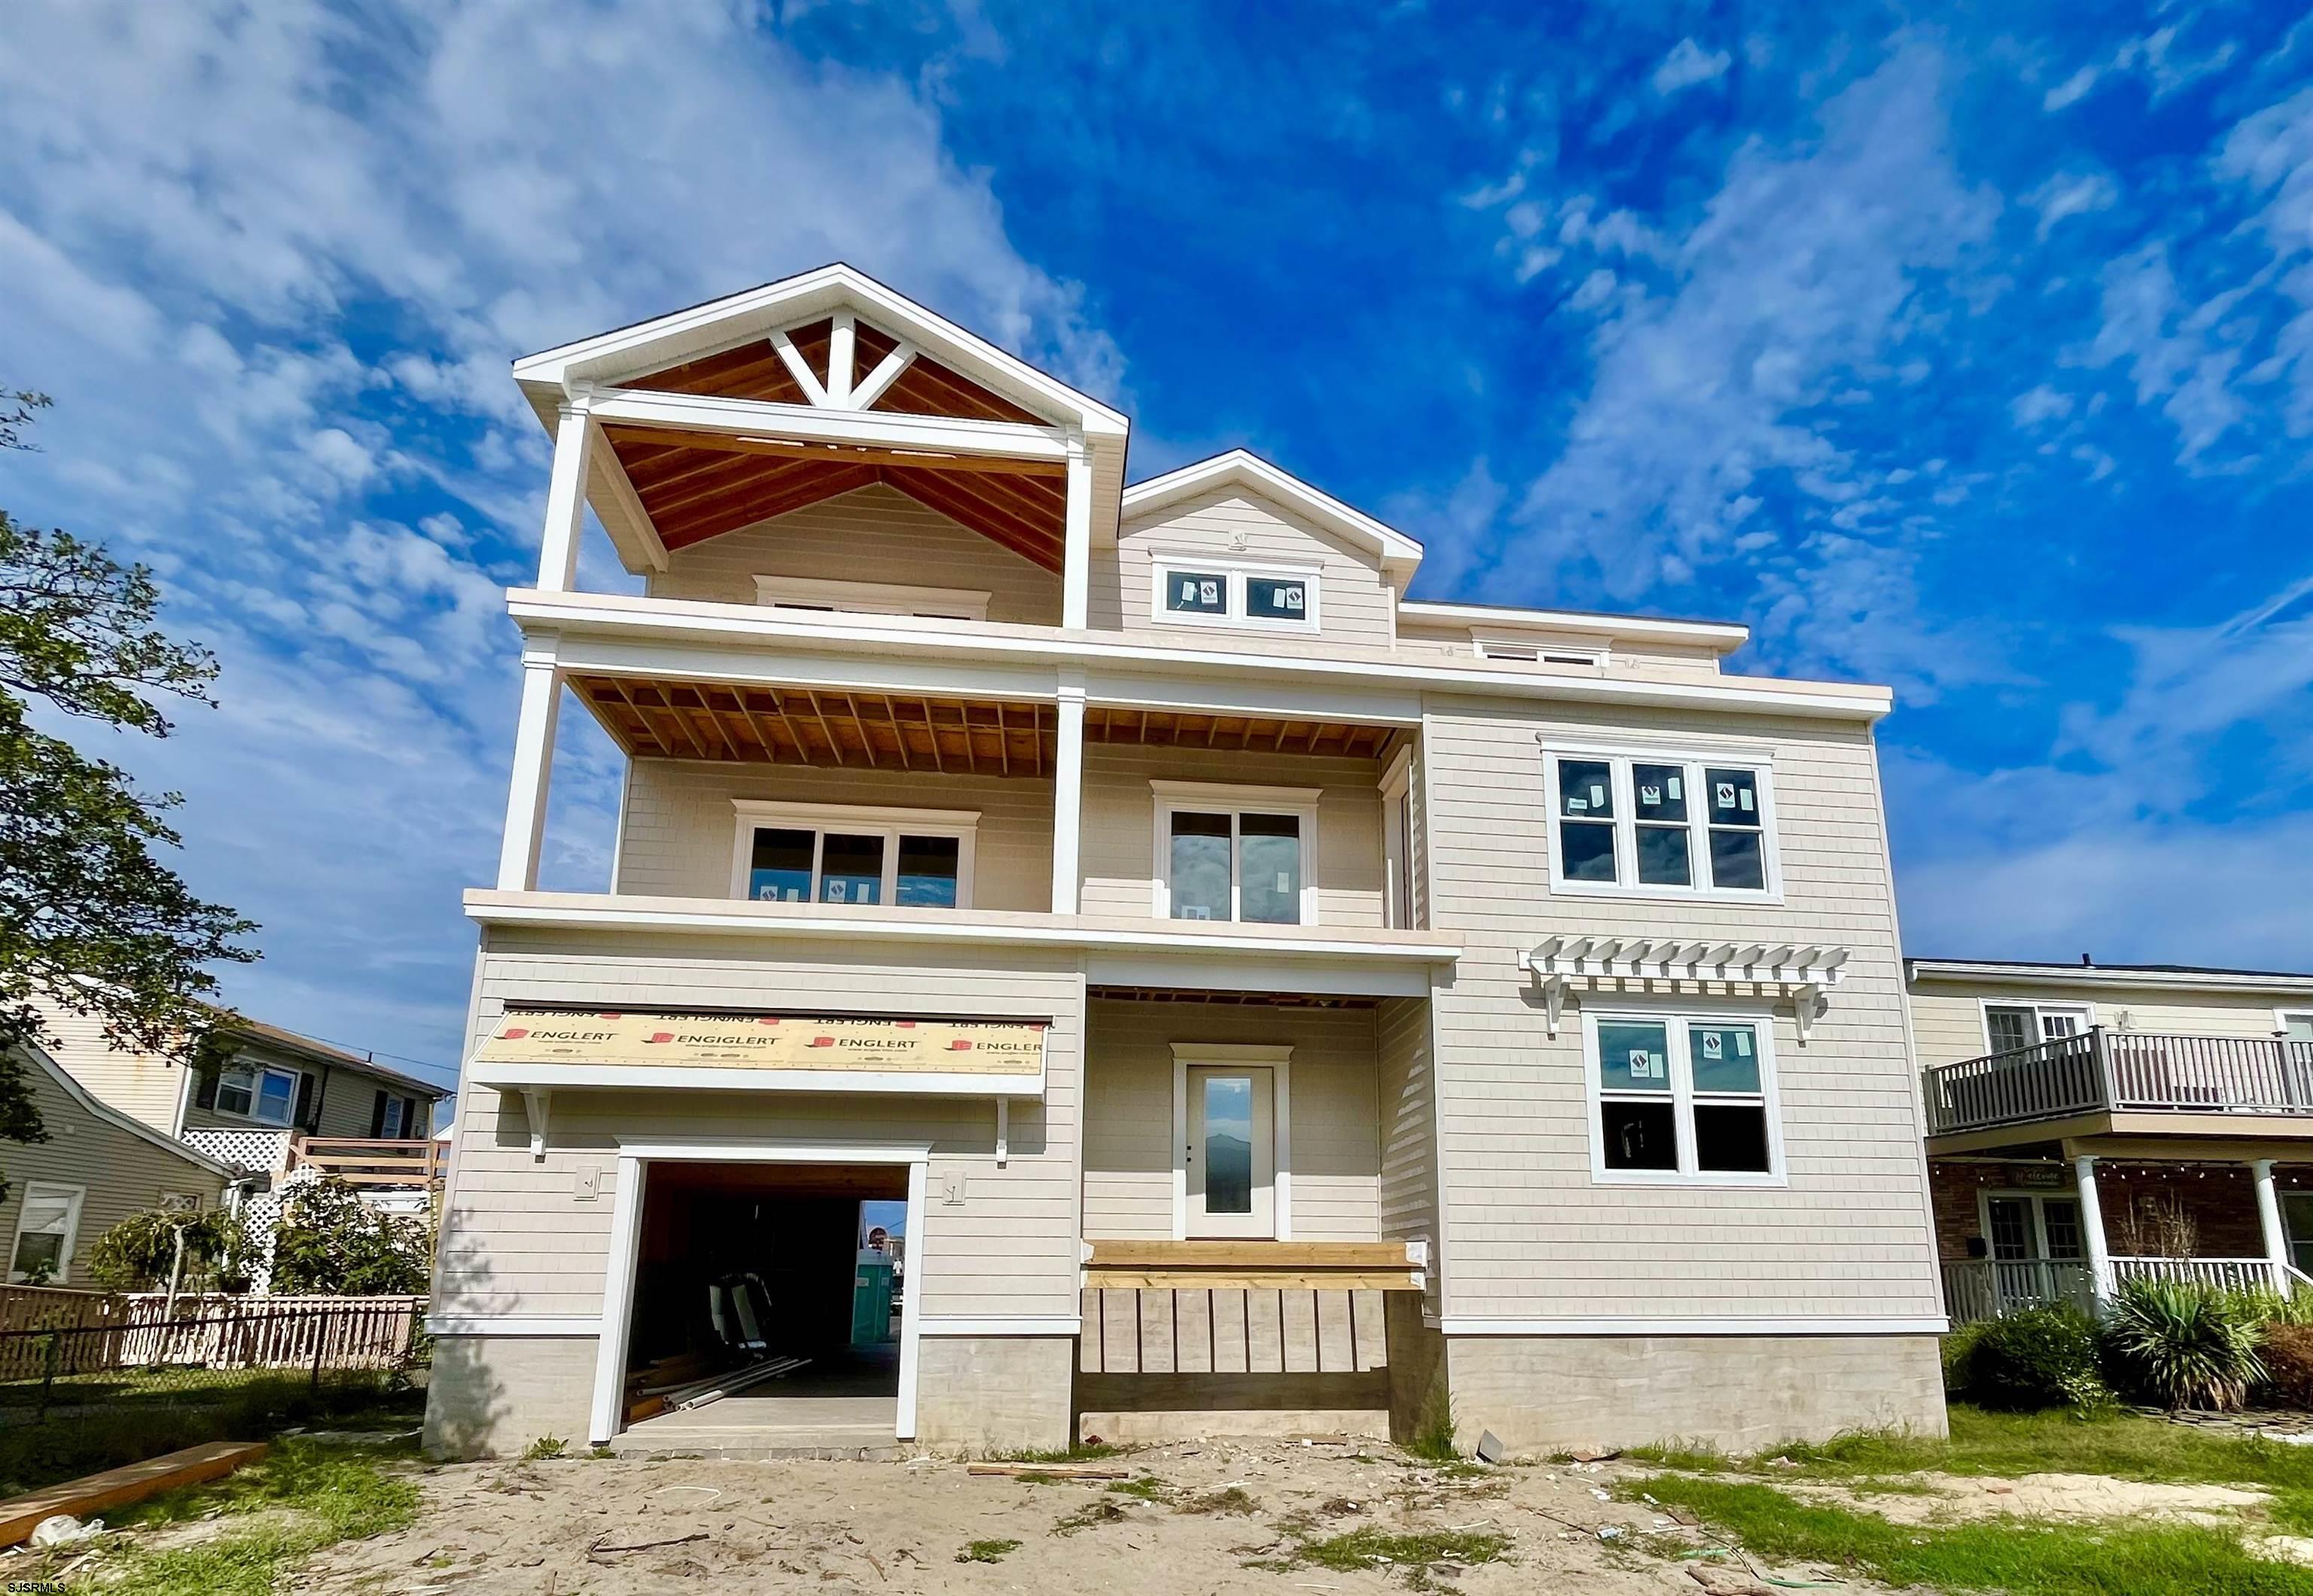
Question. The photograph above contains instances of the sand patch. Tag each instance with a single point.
(1958, 1498)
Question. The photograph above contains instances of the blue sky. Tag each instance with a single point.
(1966, 350)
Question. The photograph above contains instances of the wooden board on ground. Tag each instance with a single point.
(1046, 1471)
(117, 1487)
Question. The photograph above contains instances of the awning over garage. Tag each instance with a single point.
(769, 1052)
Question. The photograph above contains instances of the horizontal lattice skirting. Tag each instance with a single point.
(1232, 1332)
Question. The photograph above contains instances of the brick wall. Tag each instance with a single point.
(2222, 1202)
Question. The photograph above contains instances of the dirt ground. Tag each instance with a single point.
(1951, 1498)
(562, 1526)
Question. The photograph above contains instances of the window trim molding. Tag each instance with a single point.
(1596, 655)
(871, 598)
(257, 1072)
(2282, 1013)
(1279, 1061)
(860, 820)
(1396, 842)
(2038, 1200)
(1233, 570)
(1620, 757)
(1985, 1005)
(1234, 800)
(1676, 1017)
(79, 1195)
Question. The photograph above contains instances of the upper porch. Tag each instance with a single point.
(2109, 1081)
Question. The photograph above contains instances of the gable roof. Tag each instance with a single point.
(1240, 467)
(321, 1052)
(114, 1116)
(716, 325)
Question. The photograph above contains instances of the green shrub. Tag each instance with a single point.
(138, 1253)
(332, 1244)
(2183, 1345)
(2288, 1353)
(2042, 1357)
(1958, 1350)
(2263, 1305)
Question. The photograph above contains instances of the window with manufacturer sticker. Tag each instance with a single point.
(1682, 1097)
(1663, 826)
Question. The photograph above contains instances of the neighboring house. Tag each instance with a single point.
(98, 1167)
(1279, 1003)
(275, 1086)
(2088, 1123)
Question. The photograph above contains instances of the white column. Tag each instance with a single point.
(2092, 1228)
(2268, 1219)
(566, 500)
(1067, 798)
(1075, 567)
(842, 340)
(533, 760)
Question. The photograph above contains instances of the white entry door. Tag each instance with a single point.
(1232, 1151)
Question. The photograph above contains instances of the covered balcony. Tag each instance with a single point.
(2119, 1082)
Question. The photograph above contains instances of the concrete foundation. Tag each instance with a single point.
(491, 1396)
(1741, 1393)
(994, 1393)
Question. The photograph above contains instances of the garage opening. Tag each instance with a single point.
(767, 1305)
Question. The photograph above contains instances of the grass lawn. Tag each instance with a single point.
(2021, 1558)
(327, 1494)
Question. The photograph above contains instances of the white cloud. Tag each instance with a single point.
(2039, 404)
(286, 252)
(2071, 88)
(2177, 354)
(1687, 65)
(2071, 194)
(2270, 155)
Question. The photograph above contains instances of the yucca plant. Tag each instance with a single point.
(2183, 1344)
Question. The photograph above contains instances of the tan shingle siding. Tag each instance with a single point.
(1353, 601)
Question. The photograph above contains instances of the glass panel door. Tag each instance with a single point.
(2297, 1219)
(1232, 1153)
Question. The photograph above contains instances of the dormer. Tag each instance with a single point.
(688, 433)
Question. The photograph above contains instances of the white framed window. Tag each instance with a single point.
(1682, 1097)
(836, 852)
(47, 1227)
(2021, 1225)
(1631, 824)
(263, 1093)
(1204, 591)
(1233, 1153)
(1397, 840)
(870, 597)
(1235, 852)
(1533, 651)
(2008, 1026)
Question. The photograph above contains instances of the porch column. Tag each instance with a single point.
(2268, 1220)
(533, 760)
(566, 498)
(2092, 1228)
(1068, 797)
(1076, 557)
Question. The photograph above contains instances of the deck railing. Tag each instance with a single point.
(372, 1161)
(1989, 1288)
(2103, 1070)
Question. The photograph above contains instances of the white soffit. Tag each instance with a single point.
(1802, 970)
(726, 323)
(1240, 467)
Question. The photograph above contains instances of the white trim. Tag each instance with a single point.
(570, 1325)
(1056, 1324)
(590, 911)
(1232, 572)
(1068, 799)
(1720, 636)
(2090, 975)
(1240, 467)
(76, 1199)
(2282, 1017)
(1534, 650)
(635, 1154)
(872, 597)
(856, 819)
(1678, 1018)
(118, 1120)
(2035, 1199)
(736, 319)
(1620, 760)
(256, 1070)
(1985, 1005)
(810, 424)
(1236, 800)
(891, 368)
(1278, 1059)
(934, 646)
(815, 391)
(1478, 1325)
(1397, 840)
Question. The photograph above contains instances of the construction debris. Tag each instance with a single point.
(1047, 1472)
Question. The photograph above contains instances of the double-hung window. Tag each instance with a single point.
(1650, 826)
(1195, 591)
(267, 1095)
(814, 853)
(1681, 1097)
(45, 1229)
(1230, 853)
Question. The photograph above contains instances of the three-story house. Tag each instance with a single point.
(1257, 999)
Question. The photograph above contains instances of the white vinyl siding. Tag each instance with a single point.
(1947, 1013)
